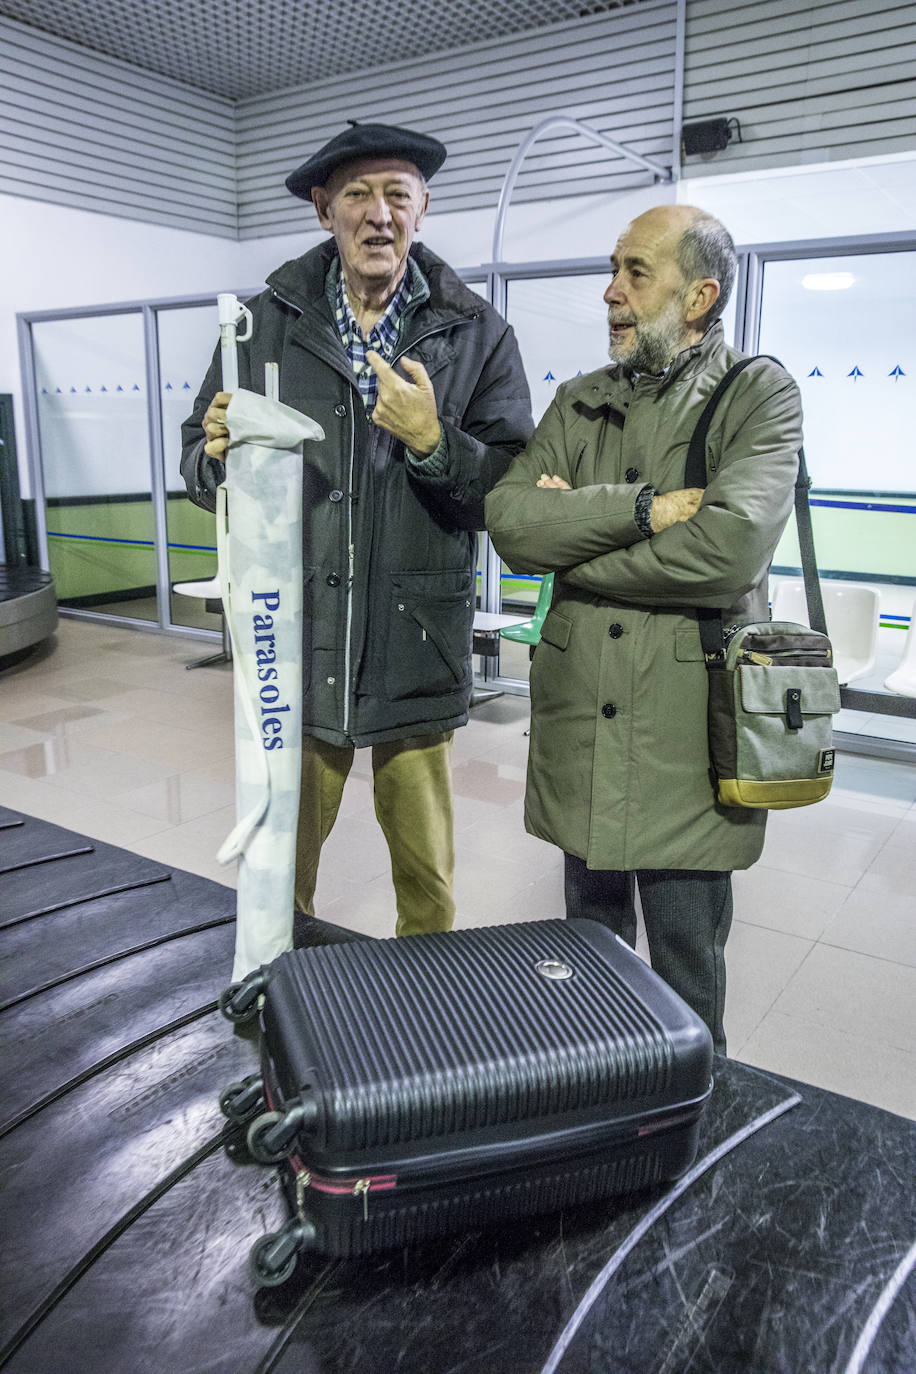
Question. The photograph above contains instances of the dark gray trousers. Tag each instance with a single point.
(688, 914)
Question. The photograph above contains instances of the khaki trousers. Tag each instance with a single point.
(413, 802)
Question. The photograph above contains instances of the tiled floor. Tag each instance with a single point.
(106, 733)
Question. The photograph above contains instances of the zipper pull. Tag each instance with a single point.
(350, 561)
(762, 660)
(302, 1182)
(362, 1185)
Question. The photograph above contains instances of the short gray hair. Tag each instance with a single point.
(706, 249)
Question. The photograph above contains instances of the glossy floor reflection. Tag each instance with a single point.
(106, 732)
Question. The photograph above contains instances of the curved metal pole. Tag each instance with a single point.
(561, 122)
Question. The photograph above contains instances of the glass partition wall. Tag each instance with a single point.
(92, 407)
(118, 531)
(186, 338)
(105, 392)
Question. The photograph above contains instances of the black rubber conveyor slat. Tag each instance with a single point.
(58, 1035)
(30, 883)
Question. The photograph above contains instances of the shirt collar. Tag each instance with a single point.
(412, 290)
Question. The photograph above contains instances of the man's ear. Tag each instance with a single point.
(421, 212)
(701, 297)
(320, 199)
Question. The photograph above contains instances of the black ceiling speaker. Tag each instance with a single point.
(708, 135)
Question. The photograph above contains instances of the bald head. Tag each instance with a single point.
(701, 246)
(673, 269)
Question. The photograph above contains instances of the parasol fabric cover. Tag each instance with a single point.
(259, 542)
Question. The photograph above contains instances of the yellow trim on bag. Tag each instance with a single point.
(775, 796)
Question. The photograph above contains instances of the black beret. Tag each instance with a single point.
(367, 140)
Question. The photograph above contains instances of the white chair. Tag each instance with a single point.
(903, 679)
(851, 612)
(212, 594)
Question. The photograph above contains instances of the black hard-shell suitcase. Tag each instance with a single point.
(440, 1082)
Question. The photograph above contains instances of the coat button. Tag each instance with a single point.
(609, 710)
(615, 631)
(333, 580)
(340, 409)
(631, 474)
(335, 495)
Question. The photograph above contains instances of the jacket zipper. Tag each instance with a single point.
(350, 560)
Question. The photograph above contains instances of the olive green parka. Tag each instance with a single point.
(618, 764)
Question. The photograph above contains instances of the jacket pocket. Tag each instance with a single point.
(556, 629)
(430, 625)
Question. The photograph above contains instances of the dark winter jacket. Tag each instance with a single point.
(389, 553)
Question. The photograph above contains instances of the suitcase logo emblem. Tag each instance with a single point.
(553, 969)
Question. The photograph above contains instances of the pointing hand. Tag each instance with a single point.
(406, 407)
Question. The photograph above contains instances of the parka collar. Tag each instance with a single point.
(688, 363)
(301, 282)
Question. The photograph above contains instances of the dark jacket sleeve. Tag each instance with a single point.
(478, 448)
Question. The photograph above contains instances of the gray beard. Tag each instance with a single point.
(654, 343)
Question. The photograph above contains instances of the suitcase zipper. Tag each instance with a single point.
(362, 1185)
(361, 1188)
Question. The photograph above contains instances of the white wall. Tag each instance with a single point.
(866, 196)
(875, 195)
(55, 257)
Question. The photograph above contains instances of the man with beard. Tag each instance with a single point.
(618, 772)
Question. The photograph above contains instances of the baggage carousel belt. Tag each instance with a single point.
(130, 1205)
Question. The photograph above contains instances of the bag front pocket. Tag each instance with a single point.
(783, 736)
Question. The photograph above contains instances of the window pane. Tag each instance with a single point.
(95, 458)
(845, 327)
(561, 326)
(187, 337)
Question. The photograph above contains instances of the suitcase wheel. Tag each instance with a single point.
(240, 1101)
(273, 1258)
(240, 1001)
(272, 1135)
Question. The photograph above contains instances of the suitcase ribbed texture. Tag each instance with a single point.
(344, 1230)
(452, 1036)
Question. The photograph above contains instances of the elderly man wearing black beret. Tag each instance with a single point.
(419, 388)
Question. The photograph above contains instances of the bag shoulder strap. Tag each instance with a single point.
(695, 476)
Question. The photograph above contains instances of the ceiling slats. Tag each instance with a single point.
(807, 81)
(95, 133)
(613, 71)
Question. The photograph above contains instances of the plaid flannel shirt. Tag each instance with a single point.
(383, 337)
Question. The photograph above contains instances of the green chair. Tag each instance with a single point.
(529, 631)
